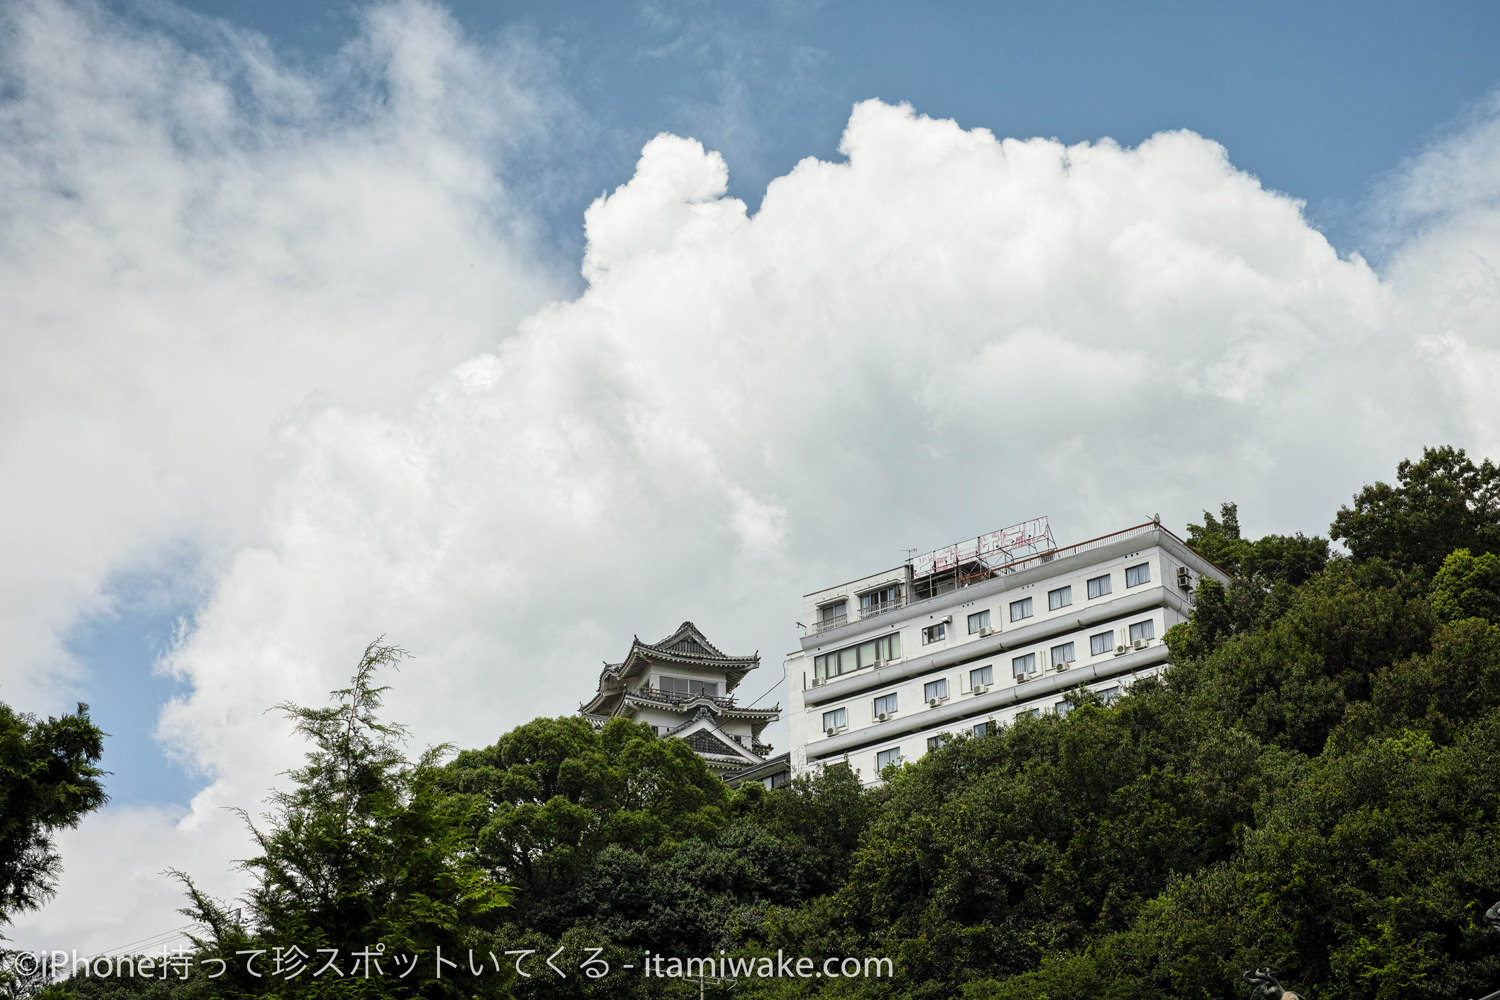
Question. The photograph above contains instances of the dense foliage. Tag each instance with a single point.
(49, 778)
(1314, 787)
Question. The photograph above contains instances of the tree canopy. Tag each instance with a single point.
(49, 779)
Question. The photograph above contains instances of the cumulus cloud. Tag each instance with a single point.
(265, 340)
(195, 243)
(942, 333)
(1445, 274)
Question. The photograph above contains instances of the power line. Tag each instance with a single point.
(773, 687)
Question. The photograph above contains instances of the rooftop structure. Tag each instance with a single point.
(683, 686)
(975, 634)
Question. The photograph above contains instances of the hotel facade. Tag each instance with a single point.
(975, 635)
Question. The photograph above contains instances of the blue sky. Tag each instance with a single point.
(325, 330)
(1318, 100)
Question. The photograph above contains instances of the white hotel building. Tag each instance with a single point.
(976, 634)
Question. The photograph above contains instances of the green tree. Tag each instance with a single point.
(548, 798)
(1264, 573)
(364, 850)
(1467, 586)
(1441, 503)
(49, 779)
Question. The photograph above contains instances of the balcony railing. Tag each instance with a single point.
(832, 621)
(678, 697)
(865, 613)
(874, 610)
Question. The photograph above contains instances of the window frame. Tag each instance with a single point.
(1025, 605)
(824, 610)
(1147, 630)
(927, 687)
(1142, 573)
(983, 623)
(936, 632)
(891, 709)
(1016, 664)
(894, 602)
(842, 713)
(1104, 589)
(889, 759)
(1070, 653)
(889, 645)
(1109, 643)
(988, 670)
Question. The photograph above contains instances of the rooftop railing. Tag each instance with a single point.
(1005, 569)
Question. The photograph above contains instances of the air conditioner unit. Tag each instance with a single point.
(987, 630)
(818, 682)
(1121, 648)
(832, 730)
(1141, 643)
(934, 702)
(981, 688)
(882, 717)
(1060, 665)
(1184, 578)
(947, 619)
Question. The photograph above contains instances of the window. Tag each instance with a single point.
(979, 620)
(1063, 708)
(833, 614)
(1101, 643)
(935, 633)
(877, 601)
(984, 729)
(1110, 695)
(935, 689)
(1143, 630)
(885, 705)
(886, 758)
(1020, 609)
(1059, 598)
(1099, 586)
(776, 780)
(683, 685)
(981, 677)
(1022, 665)
(1062, 654)
(1137, 575)
(851, 658)
(836, 719)
(1030, 713)
(937, 742)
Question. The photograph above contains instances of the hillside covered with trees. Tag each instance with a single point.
(1313, 787)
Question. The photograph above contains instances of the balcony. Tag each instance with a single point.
(679, 698)
(865, 614)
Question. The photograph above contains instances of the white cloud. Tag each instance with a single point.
(252, 315)
(1446, 274)
(199, 242)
